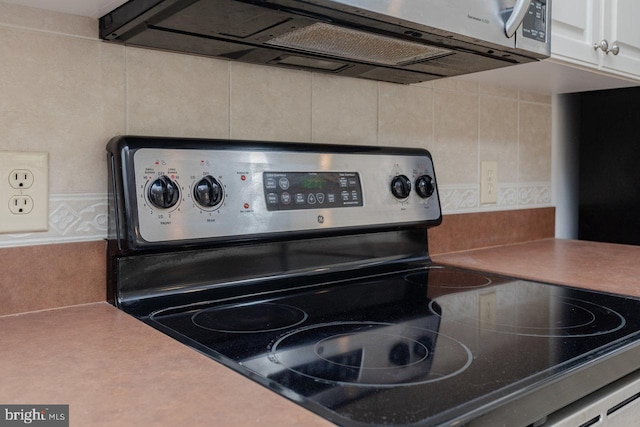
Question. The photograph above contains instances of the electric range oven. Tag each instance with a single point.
(306, 268)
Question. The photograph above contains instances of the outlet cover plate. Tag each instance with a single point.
(32, 168)
(488, 182)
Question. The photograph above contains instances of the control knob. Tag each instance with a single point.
(425, 186)
(208, 192)
(400, 187)
(164, 193)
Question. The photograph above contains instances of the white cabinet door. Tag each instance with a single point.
(622, 28)
(575, 27)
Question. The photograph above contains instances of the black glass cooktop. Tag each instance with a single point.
(429, 346)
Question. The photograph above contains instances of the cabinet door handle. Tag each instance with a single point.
(517, 16)
(604, 46)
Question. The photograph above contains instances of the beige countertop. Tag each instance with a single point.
(114, 370)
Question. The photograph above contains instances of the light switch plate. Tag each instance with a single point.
(488, 182)
(24, 191)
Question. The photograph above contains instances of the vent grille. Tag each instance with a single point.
(356, 45)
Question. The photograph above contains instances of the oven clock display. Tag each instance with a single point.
(311, 190)
(313, 183)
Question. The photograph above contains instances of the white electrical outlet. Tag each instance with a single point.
(21, 179)
(20, 205)
(488, 182)
(24, 191)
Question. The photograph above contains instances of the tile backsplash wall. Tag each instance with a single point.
(66, 92)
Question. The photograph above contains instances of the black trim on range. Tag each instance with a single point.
(121, 150)
(123, 258)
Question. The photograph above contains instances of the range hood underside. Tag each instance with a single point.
(314, 39)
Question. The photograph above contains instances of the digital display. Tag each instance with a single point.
(312, 190)
(312, 183)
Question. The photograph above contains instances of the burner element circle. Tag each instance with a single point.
(249, 318)
(548, 315)
(445, 278)
(398, 355)
(371, 354)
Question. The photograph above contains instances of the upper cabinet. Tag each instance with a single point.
(574, 29)
(622, 29)
(598, 34)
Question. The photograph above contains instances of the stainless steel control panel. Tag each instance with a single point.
(201, 193)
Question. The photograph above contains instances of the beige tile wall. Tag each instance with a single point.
(65, 92)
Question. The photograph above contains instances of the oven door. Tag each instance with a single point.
(616, 405)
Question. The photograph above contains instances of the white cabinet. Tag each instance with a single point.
(622, 27)
(578, 25)
(574, 29)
